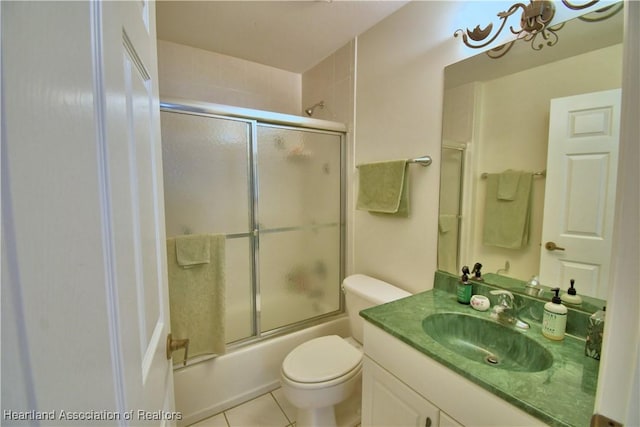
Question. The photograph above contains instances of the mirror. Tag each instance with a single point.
(496, 117)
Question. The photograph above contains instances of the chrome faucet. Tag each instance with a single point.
(505, 311)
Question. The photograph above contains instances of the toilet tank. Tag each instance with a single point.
(363, 292)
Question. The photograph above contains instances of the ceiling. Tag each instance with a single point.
(290, 35)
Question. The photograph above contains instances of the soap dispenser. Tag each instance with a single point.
(554, 320)
(465, 289)
(477, 275)
(571, 296)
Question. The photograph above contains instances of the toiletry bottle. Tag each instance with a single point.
(595, 329)
(554, 320)
(464, 287)
(533, 287)
(571, 296)
(477, 275)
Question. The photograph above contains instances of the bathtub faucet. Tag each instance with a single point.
(173, 345)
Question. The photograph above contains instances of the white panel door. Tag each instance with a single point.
(133, 174)
(582, 160)
(84, 290)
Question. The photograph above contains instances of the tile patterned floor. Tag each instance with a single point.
(273, 410)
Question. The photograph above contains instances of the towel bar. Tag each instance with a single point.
(541, 174)
(422, 161)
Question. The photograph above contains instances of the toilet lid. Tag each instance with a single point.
(321, 359)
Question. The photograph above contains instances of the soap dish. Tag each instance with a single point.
(480, 303)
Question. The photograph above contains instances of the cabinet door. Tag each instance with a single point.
(447, 421)
(386, 401)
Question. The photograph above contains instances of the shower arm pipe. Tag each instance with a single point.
(309, 111)
(422, 161)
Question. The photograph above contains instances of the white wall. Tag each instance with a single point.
(399, 86)
(190, 73)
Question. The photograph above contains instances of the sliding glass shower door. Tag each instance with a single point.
(276, 193)
(207, 190)
(299, 223)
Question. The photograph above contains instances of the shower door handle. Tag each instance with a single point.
(173, 345)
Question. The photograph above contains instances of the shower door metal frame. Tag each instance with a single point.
(254, 118)
(341, 225)
(462, 149)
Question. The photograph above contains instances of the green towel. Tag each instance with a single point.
(508, 184)
(383, 188)
(192, 250)
(506, 222)
(448, 242)
(447, 222)
(197, 299)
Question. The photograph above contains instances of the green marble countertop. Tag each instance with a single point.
(562, 395)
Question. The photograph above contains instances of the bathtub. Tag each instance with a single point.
(215, 385)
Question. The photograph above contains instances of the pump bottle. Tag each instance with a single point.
(571, 297)
(554, 320)
(465, 289)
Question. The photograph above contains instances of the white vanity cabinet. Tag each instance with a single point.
(447, 421)
(404, 387)
(387, 401)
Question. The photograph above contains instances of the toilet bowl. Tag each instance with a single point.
(325, 371)
(317, 375)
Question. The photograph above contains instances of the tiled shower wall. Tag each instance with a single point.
(332, 81)
(191, 73)
(196, 74)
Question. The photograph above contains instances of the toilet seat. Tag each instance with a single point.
(321, 360)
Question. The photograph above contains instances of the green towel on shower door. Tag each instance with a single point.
(197, 295)
(383, 188)
(193, 250)
(448, 242)
(506, 222)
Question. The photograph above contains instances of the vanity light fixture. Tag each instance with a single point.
(602, 14)
(534, 27)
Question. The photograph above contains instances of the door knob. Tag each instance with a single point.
(551, 246)
(173, 345)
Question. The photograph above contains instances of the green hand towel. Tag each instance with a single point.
(506, 222)
(447, 222)
(383, 188)
(192, 250)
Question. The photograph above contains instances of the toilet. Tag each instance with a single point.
(324, 371)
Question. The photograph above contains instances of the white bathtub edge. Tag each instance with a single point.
(213, 386)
